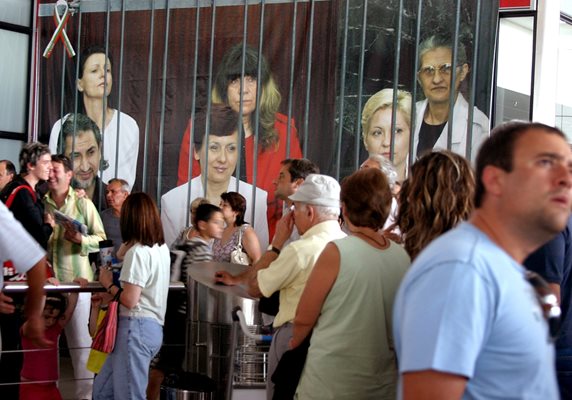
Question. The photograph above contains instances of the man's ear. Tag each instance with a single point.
(298, 182)
(493, 180)
(196, 154)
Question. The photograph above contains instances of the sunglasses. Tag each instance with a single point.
(548, 302)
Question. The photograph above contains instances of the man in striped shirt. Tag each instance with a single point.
(68, 250)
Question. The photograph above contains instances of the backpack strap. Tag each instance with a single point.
(10, 199)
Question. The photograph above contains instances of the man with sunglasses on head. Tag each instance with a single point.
(470, 322)
(434, 76)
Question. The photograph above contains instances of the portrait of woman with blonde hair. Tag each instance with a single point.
(437, 195)
(376, 127)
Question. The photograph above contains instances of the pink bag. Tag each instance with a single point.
(104, 339)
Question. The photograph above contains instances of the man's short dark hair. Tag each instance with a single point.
(223, 122)
(31, 153)
(64, 160)
(80, 122)
(10, 169)
(498, 149)
(300, 168)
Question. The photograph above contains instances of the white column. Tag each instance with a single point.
(546, 69)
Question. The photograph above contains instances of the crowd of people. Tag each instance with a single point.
(400, 281)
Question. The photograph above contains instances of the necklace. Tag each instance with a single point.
(379, 240)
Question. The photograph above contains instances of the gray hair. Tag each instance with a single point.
(436, 41)
(325, 211)
(387, 167)
(124, 184)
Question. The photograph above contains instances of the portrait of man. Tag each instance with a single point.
(82, 144)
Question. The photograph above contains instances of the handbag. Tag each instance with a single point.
(288, 372)
(106, 333)
(237, 256)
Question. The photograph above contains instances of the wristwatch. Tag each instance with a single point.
(274, 249)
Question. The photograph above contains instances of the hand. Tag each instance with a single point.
(96, 299)
(6, 306)
(284, 229)
(80, 193)
(71, 234)
(49, 219)
(105, 276)
(82, 282)
(53, 281)
(34, 329)
(225, 278)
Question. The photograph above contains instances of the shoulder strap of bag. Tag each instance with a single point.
(10, 199)
(239, 243)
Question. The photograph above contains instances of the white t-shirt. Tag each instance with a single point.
(148, 268)
(128, 146)
(16, 244)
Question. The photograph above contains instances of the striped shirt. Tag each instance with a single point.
(70, 260)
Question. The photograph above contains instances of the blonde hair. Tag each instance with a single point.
(381, 100)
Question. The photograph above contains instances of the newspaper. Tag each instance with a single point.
(62, 219)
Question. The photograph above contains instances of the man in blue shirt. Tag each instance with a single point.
(467, 323)
(553, 262)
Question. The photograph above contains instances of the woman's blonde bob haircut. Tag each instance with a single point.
(381, 100)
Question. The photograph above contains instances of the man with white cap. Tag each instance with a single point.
(316, 212)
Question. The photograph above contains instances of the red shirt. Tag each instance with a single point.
(41, 365)
(268, 164)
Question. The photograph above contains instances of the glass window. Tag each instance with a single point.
(16, 12)
(514, 69)
(563, 93)
(14, 72)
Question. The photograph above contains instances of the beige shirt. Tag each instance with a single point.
(290, 271)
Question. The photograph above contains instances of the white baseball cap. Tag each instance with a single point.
(318, 190)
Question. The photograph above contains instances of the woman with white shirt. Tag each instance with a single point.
(143, 298)
(120, 132)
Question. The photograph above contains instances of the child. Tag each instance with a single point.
(209, 224)
(42, 364)
(99, 302)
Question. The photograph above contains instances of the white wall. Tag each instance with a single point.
(10, 150)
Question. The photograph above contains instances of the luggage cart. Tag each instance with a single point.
(248, 370)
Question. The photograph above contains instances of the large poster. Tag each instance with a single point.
(317, 80)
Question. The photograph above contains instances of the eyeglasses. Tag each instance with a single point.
(548, 302)
(429, 70)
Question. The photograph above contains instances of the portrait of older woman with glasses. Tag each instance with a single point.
(434, 77)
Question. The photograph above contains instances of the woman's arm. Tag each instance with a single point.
(319, 284)
(130, 294)
(251, 244)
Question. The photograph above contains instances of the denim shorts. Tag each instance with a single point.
(125, 372)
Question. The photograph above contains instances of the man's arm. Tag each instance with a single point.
(433, 385)
(90, 243)
(284, 229)
(34, 327)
